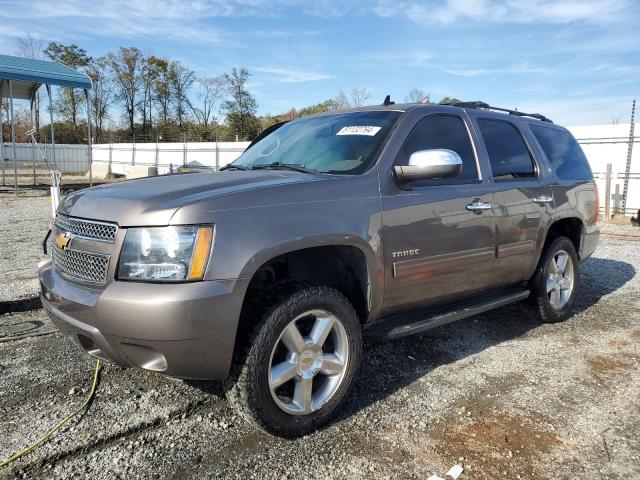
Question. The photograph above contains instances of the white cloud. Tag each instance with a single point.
(505, 11)
(413, 58)
(513, 69)
(292, 76)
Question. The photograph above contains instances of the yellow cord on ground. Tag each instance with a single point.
(46, 437)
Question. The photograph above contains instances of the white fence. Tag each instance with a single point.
(167, 156)
(603, 144)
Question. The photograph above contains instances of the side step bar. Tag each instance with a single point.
(419, 321)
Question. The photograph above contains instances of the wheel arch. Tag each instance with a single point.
(346, 263)
(571, 227)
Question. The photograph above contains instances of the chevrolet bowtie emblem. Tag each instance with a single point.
(62, 240)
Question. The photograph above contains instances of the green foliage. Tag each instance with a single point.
(449, 101)
(241, 107)
(70, 101)
(321, 107)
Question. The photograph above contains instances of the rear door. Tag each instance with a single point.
(523, 199)
(437, 248)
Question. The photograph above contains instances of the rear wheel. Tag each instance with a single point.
(555, 281)
(299, 363)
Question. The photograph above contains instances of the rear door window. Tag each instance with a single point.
(508, 153)
(565, 156)
(442, 131)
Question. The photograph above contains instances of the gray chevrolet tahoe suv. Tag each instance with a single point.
(378, 222)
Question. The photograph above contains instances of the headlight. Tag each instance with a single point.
(165, 254)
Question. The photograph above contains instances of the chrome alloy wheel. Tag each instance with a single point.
(308, 362)
(560, 279)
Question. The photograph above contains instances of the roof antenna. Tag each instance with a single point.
(387, 101)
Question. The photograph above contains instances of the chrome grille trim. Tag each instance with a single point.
(88, 229)
(82, 266)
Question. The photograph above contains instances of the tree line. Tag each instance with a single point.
(141, 97)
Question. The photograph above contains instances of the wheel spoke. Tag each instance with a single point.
(565, 283)
(321, 329)
(553, 267)
(292, 338)
(331, 364)
(555, 297)
(562, 262)
(551, 283)
(303, 393)
(282, 373)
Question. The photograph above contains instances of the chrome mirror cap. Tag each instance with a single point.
(430, 164)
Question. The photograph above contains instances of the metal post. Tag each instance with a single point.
(627, 170)
(89, 142)
(110, 154)
(13, 137)
(217, 156)
(184, 150)
(53, 136)
(157, 155)
(55, 180)
(133, 149)
(607, 194)
(33, 141)
(1, 135)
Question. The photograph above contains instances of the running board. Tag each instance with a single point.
(419, 321)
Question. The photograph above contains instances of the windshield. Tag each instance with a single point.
(344, 143)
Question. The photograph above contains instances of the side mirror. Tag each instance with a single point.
(429, 165)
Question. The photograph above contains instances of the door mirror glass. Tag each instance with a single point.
(429, 165)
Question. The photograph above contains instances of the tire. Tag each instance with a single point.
(554, 304)
(273, 353)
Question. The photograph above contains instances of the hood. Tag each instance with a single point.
(154, 200)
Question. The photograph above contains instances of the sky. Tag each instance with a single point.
(577, 62)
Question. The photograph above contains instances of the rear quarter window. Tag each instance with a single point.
(565, 156)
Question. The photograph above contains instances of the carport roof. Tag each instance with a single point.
(28, 75)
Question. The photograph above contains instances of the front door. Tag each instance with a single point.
(439, 240)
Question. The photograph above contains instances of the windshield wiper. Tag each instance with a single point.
(286, 166)
(236, 167)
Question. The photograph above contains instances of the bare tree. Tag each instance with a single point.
(150, 71)
(416, 95)
(359, 96)
(341, 102)
(101, 95)
(211, 90)
(126, 67)
(182, 80)
(31, 47)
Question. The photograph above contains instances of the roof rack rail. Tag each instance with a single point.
(478, 104)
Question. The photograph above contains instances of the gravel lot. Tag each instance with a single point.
(500, 393)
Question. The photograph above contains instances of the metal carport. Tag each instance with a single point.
(20, 78)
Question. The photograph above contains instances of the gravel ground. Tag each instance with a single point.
(24, 221)
(499, 393)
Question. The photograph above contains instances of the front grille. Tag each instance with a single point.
(82, 266)
(91, 229)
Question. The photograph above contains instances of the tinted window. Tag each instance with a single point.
(442, 131)
(344, 143)
(508, 154)
(565, 156)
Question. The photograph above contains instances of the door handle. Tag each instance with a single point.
(479, 206)
(542, 199)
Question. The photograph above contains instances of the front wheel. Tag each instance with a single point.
(299, 362)
(555, 281)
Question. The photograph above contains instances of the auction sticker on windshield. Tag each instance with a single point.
(369, 131)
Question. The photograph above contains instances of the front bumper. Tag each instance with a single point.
(185, 330)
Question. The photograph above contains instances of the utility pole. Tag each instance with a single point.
(627, 170)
